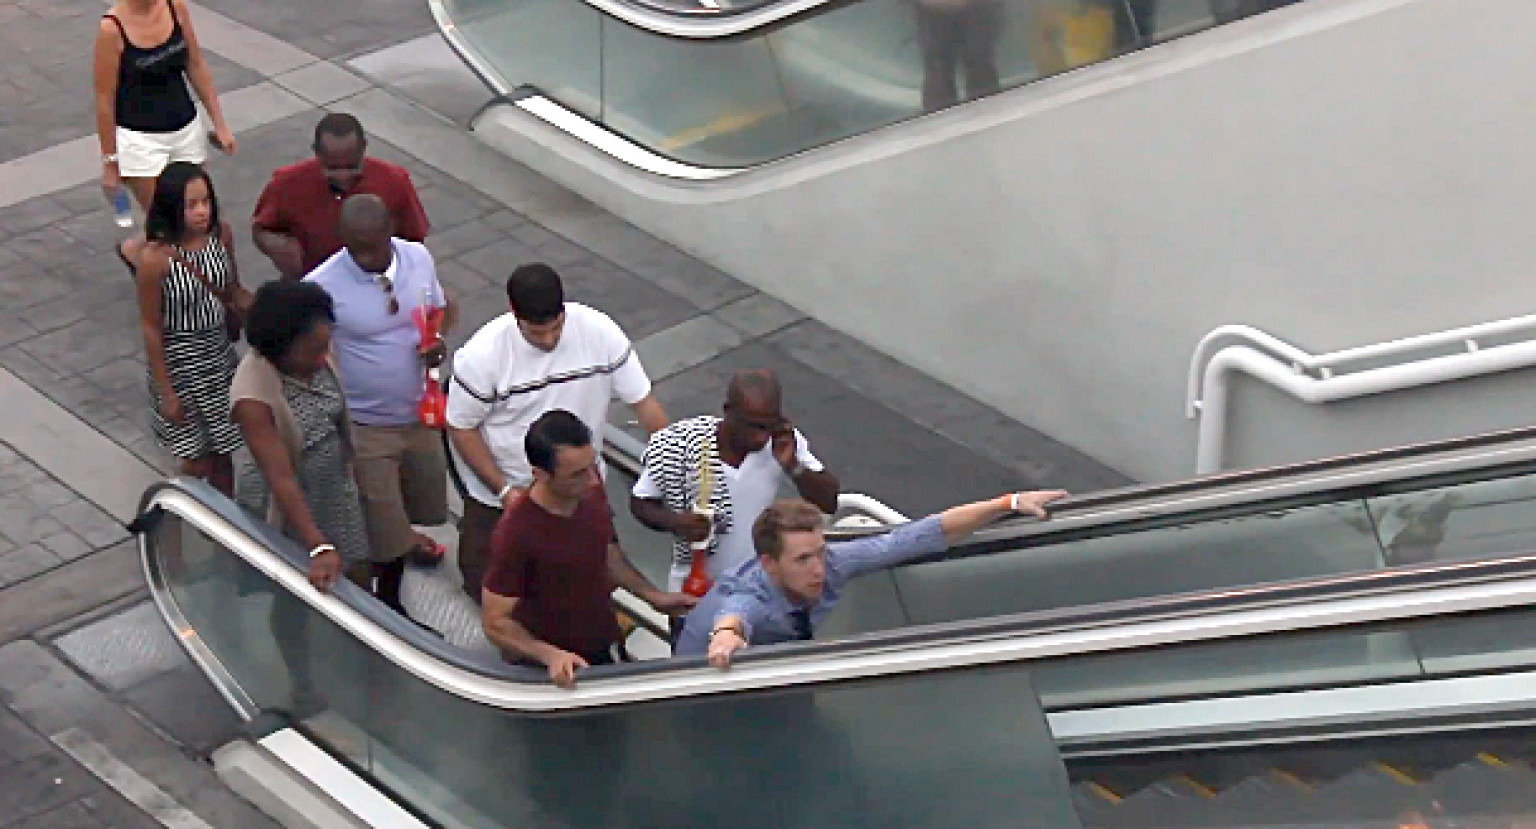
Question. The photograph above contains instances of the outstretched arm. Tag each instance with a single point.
(961, 521)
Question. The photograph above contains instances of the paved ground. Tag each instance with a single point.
(71, 601)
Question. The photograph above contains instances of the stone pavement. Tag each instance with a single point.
(69, 331)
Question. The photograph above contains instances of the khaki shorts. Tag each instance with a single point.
(403, 476)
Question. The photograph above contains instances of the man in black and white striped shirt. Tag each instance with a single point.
(748, 456)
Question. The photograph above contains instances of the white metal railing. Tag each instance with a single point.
(854, 508)
(1315, 378)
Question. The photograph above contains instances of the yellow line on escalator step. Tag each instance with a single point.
(729, 122)
(1491, 760)
(1200, 788)
(1292, 779)
(1395, 773)
(1104, 791)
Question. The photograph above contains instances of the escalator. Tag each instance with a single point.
(701, 89)
(1384, 673)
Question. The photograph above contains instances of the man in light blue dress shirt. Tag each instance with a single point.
(798, 577)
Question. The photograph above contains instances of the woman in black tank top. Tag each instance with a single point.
(146, 54)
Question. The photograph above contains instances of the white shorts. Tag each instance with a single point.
(145, 154)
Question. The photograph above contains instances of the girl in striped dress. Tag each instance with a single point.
(188, 263)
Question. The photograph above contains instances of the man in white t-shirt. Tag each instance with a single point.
(546, 354)
(746, 457)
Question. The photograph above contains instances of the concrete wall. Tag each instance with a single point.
(1337, 173)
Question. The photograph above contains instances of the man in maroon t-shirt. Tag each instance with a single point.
(555, 560)
(298, 217)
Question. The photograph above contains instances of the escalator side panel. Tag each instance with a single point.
(1306, 542)
(915, 750)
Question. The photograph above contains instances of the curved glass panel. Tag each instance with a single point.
(826, 755)
(920, 747)
(834, 71)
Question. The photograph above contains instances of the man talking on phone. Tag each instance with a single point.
(747, 457)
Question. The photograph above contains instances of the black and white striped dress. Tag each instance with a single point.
(199, 357)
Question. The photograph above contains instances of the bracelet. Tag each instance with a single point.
(1013, 502)
(109, 158)
(721, 629)
(502, 495)
(321, 549)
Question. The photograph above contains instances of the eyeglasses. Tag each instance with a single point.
(389, 291)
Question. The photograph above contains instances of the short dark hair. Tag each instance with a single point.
(554, 429)
(339, 125)
(283, 311)
(536, 293)
(166, 219)
(784, 516)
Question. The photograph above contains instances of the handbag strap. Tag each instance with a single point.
(202, 276)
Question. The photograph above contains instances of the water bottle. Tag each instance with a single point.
(122, 209)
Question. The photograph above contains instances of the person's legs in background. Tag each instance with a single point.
(475, 530)
(403, 480)
(980, 27)
(938, 36)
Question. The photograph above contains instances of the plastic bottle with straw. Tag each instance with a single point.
(698, 581)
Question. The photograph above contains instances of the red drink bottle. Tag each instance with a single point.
(697, 583)
(432, 409)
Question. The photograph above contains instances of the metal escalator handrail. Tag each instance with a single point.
(1335, 479)
(1110, 497)
(1428, 590)
(705, 24)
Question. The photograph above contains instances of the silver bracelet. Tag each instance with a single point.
(502, 495)
(321, 549)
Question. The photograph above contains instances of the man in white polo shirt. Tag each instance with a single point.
(546, 354)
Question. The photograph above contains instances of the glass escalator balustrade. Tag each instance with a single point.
(837, 70)
(919, 749)
(830, 755)
(1176, 555)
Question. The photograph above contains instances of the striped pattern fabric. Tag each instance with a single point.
(199, 357)
(186, 304)
(674, 458)
(493, 396)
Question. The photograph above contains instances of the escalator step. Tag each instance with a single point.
(1274, 797)
(1487, 785)
(1376, 791)
(1095, 804)
(1171, 802)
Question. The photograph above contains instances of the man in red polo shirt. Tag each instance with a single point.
(298, 217)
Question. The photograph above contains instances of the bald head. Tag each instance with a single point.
(754, 388)
(752, 414)
(364, 229)
(364, 213)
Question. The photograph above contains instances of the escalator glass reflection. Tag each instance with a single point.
(838, 70)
